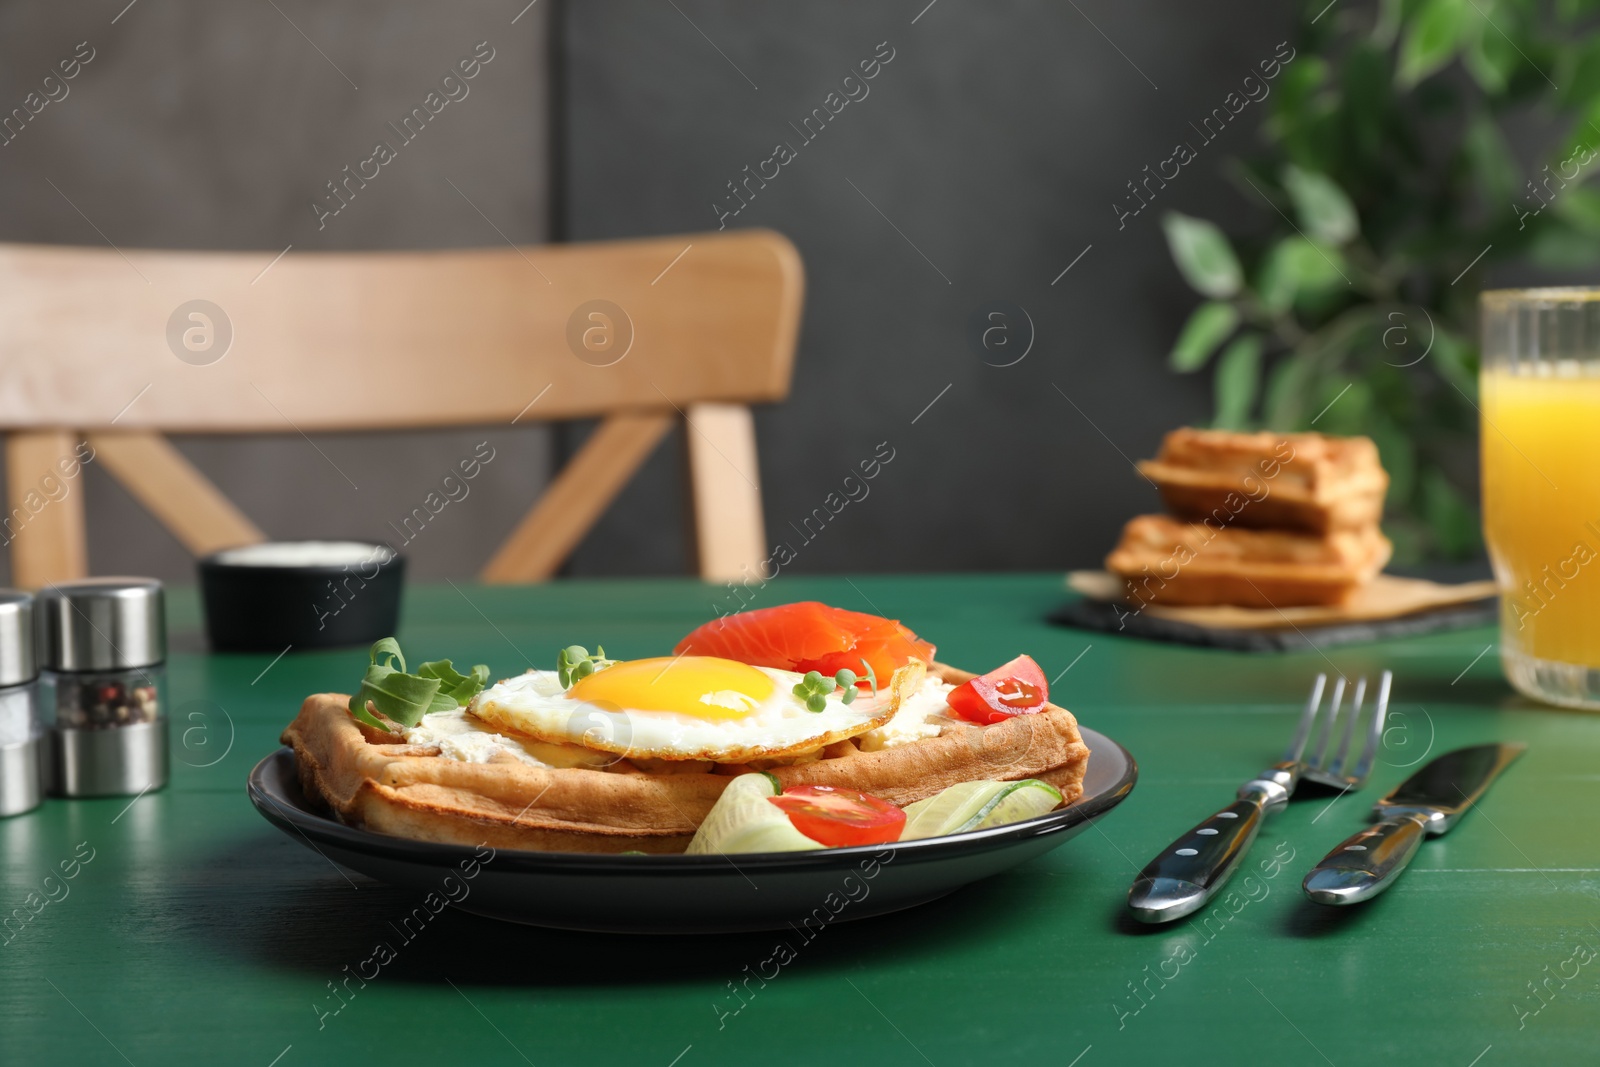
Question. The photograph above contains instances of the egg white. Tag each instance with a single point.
(461, 736)
(535, 705)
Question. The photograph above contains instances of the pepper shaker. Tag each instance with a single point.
(103, 645)
(21, 732)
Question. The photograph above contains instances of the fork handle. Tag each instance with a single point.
(1193, 868)
(1366, 864)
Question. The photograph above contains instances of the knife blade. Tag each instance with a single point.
(1427, 804)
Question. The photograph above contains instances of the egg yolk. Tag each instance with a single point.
(704, 687)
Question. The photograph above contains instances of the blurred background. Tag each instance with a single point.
(1009, 159)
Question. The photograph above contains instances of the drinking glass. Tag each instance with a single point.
(1540, 393)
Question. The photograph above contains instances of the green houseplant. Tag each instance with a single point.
(1387, 185)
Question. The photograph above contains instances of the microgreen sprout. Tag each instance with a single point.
(574, 663)
(872, 677)
(814, 689)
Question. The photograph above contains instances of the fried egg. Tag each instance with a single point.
(460, 736)
(685, 708)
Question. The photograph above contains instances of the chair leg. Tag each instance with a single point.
(725, 491)
(44, 524)
(174, 491)
(578, 497)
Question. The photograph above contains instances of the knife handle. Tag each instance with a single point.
(1368, 863)
(1193, 868)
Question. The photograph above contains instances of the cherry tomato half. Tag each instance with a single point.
(836, 818)
(1018, 688)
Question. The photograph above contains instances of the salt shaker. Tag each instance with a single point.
(21, 733)
(103, 645)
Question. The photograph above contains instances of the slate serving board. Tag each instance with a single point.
(1087, 614)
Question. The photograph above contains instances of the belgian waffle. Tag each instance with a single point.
(1300, 481)
(1166, 561)
(374, 779)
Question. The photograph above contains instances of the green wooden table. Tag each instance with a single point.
(193, 932)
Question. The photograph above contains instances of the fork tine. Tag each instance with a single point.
(1326, 728)
(1303, 730)
(1380, 712)
(1337, 767)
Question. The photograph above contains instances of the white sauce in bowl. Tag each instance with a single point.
(304, 554)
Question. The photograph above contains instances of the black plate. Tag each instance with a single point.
(691, 894)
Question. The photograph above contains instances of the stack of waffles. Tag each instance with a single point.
(1259, 520)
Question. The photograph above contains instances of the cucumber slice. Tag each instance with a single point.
(742, 820)
(978, 806)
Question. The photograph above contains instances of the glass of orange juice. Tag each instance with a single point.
(1540, 391)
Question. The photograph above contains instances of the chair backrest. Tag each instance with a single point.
(102, 351)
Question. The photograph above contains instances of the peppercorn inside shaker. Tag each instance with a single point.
(21, 731)
(103, 643)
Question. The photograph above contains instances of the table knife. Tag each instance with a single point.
(1427, 804)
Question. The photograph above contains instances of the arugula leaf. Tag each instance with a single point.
(455, 687)
(404, 698)
(389, 650)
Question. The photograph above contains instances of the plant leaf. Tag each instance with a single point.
(1370, 134)
(1457, 363)
(1399, 458)
(1237, 381)
(1490, 58)
(1295, 100)
(387, 650)
(1571, 9)
(1581, 207)
(1203, 255)
(1581, 83)
(1296, 267)
(1432, 39)
(1325, 212)
(1559, 247)
(1207, 328)
(1583, 141)
(455, 688)
(1491, 160)
(1454, 524)
(1342, 407)
(404, 698)
(1283, 406)
(1387, 25)
(401, 698)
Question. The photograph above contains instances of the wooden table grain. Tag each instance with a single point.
(180, 928)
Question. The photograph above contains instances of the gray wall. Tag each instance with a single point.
(991, 149)
(995, 142)
(212, 126)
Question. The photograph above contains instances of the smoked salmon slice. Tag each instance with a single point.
(809, 636)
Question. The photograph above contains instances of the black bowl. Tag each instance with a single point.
(250, 607)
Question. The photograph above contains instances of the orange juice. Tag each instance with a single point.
(1541, 510)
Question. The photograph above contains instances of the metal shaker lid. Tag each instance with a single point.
(18, 663)
(102, 624)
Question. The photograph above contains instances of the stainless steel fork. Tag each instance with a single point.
(1191, 870)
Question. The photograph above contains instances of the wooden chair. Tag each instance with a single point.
(90, 344)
